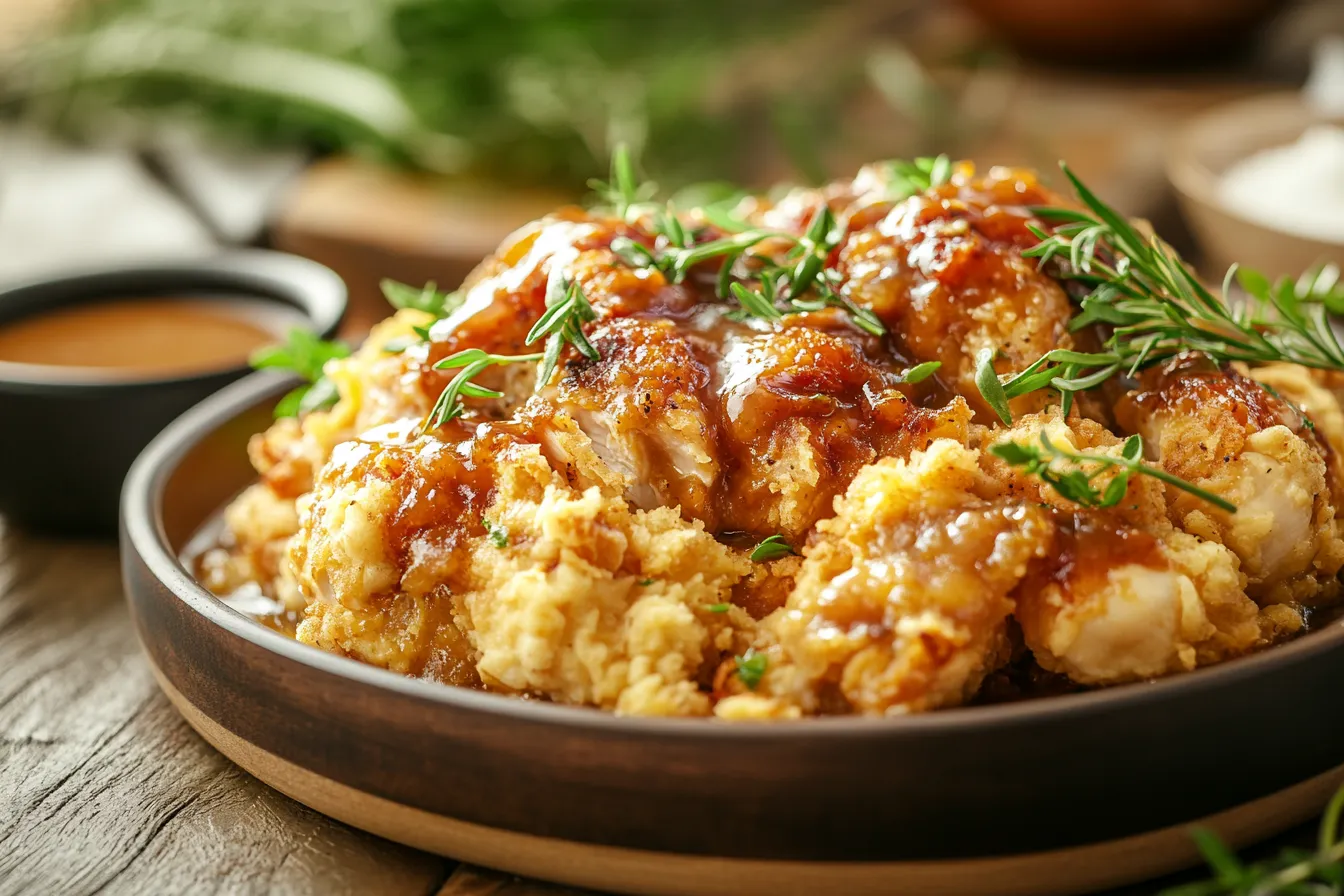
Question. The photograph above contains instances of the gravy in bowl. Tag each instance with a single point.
(145, 337)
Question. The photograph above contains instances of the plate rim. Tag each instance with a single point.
(144, 533)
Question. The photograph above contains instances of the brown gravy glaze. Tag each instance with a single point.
(138, 337)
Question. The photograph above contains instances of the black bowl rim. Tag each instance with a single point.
(315, 290)
(142, 521)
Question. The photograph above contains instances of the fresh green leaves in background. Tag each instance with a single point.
(524, 92)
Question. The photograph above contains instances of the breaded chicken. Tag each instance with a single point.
(477, 559)
(943, 271)
(903, 600)
(591, 538)
(1123, 596)
(1230, 436)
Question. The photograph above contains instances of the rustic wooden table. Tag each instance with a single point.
(104, 788)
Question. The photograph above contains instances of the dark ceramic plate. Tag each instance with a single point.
(1058, 795)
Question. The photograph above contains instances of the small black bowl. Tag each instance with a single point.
(70, 436)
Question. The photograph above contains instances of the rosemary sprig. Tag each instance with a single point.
(449, 405)
(799, 282)
(1073, 479)
(623, 192)
(566, 312)
(1156, 307)
(802, 271)
(1295, 872)
(920, 372)
(305, 354)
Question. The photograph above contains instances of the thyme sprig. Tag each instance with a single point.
(1073, 474)
(449, 404)
(1293, 873)
(306, 354)
(1156, 307)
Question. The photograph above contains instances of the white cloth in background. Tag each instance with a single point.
(64, 208)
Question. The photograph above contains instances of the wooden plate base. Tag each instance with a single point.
(1075, 870)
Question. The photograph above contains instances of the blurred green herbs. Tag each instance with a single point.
(532, 90)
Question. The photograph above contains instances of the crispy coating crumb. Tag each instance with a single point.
(1230, 436)
(902, 602)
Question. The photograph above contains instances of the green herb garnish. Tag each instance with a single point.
(566, 313)
(498, 535)
(1075, 481)
(797, 282)
(623, 192)
(427, 298)
(644, 583)
(472, 361)
(305, 354)
(908, 178)
(1156, 307)
(717, 608)
(920, 372)
(1294, 873)
(771, 548)
(751, 667)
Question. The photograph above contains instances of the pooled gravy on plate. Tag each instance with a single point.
(147, 336)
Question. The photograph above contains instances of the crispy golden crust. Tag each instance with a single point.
(1230, 436)
(902, 602)
(586, 540)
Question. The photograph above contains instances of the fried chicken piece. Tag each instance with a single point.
(1230, 436)
(944, 271)
(1124, 596)
(475, 558)
(643, 408)
(903, 599)
(744, 428)
(1118, 604)
(1320, 406)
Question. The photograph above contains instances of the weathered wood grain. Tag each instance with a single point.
(103, 788)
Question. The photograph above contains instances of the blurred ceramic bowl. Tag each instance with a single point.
(1108, 32)
(1202, 152)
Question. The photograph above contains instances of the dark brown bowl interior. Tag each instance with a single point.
(70, 436)
(983, 781)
